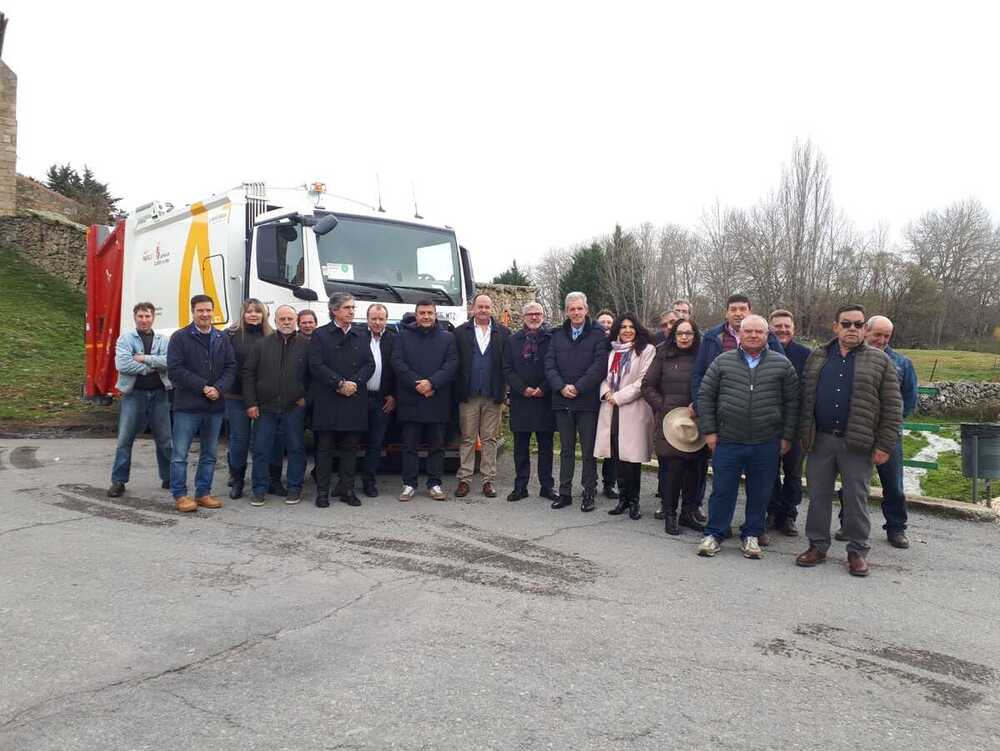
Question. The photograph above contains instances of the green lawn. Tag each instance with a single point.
(954, 365)
(41, 349)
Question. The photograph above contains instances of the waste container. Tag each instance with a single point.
(981, 450)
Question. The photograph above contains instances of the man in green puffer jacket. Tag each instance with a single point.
(852, 412)
(748, 409)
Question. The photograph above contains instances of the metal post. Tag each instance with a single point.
(975, 469)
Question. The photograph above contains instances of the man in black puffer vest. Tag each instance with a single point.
(748, 409)
(575, 365)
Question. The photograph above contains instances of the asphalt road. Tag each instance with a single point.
(469, 625)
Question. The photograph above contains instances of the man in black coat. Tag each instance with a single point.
(784, 505)
(575, 365)
(425, 359)
(481, 391)
(340, 365)
(381, 389)
(530, 402)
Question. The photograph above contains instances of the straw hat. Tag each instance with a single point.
(681, 430)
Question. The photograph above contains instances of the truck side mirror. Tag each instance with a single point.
(325, 224)
(304, 293)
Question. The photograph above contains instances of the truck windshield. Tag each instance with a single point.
(390, 260)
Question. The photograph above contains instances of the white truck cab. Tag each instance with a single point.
(294, 246)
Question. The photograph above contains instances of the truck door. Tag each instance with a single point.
(279, 271)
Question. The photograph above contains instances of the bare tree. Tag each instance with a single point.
(547, 274)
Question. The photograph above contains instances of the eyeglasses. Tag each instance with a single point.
(536, 313)
(855, 324)
(684, 333)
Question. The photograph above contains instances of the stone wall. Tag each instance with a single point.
(962, 399)
(8, 140)
(508, 299)
(31, 194)
(50, 243)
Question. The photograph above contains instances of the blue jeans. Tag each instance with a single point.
(292, 427)
(186, 426)
(759, 461)
(378, 425)
(139, 408)
(890, 475)
(239, 435)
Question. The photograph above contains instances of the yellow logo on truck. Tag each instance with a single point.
(196, 251)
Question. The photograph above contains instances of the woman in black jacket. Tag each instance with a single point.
(243, 335)
(667, 385)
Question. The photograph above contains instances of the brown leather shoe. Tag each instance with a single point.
(488, 490)
(811, 557)
(857, 565)
(207, 501)
(463, 489)
(185, 503)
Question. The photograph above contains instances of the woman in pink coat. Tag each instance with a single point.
(625, 422)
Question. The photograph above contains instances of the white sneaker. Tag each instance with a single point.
(750, 547)
(437, 493)
(709, 546)
(407, 493)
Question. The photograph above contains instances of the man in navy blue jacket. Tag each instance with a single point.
(786, 497)
(878, 332)
(724, 337)
(201, 365)
(575, 364)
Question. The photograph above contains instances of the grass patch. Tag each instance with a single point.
(954, 365)
(947, 481)
(41, 349)
(912, 443)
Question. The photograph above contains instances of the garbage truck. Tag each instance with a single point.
(293, 246)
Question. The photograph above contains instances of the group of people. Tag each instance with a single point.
(743, 396)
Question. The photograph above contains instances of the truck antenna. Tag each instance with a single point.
(378, 185)
(416, 211)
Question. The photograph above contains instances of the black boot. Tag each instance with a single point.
(670, 523)
(689, 520)
(236, 487)
(610, 492)
(587, 504)
(660, 513)
(633, 506)
(322, 498)
(621, 508)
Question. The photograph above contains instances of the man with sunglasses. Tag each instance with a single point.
(852, 411)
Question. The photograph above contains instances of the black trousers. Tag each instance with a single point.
(345, 442)
(787, 495)
(629, 480)
(682, 479)
(431, 433)
(609, 472)
(522, 459)
(572, 425)
(629, 474)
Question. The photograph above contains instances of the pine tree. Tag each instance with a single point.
(100, 206)
(514, 276)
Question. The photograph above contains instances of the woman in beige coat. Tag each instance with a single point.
(625, 422)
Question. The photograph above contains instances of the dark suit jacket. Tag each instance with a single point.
(465, 340)
(388, 385)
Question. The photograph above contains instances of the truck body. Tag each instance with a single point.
(265, 243)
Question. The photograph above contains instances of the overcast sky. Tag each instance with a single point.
(525, 126)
